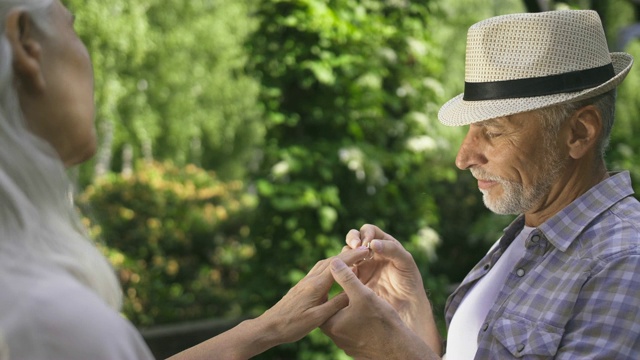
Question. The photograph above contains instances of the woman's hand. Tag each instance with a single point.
(305, 307)
(393, 275)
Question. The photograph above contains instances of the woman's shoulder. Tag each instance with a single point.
(47, 313)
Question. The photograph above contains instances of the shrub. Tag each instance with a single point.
(176, 237)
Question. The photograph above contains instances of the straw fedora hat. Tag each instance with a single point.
(522, 62)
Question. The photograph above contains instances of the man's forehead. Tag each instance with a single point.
(519, 119)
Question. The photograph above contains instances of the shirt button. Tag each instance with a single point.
(535, 239)
(520, 272)
(485, 326)
(520, 347)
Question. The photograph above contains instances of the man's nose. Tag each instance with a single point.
(470, 153)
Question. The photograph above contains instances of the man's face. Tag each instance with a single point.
(514, 161)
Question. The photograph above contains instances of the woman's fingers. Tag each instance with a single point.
(332, 306)
(353, 256)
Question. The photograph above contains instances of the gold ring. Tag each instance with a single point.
(369, 255)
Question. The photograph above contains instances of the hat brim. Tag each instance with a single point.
(458, 112)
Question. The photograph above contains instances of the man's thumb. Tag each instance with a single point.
(345, 277)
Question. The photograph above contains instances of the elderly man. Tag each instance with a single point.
(562, 282)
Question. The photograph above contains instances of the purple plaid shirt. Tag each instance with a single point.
(575, 294)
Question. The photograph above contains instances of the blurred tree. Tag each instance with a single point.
(170, 83)
(352, 135)
(206, 105)
(535, 5)
(625, 144)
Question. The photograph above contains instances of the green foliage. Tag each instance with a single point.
(170, 83)
(352, 136)
(340, 98)
(176, 237)
(625, 140)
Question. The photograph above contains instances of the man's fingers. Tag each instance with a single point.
(395, 252)
(346, 278)
(365, 235)
(369, 232)
(320, 276)
(353, 239)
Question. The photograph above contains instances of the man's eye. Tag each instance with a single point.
(492, 134)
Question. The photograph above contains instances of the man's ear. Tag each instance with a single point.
(585, 127)
(26, 49)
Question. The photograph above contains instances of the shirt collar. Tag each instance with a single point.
(565, 226)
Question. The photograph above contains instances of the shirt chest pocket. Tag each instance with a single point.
(526, 339)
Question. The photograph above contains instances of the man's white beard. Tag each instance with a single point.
(515, 199)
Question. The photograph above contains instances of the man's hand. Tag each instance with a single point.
(306, 306)
(370, 328)
(393, 275)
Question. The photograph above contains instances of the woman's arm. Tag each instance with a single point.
(305, 307)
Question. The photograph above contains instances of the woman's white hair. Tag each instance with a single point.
(38, 222)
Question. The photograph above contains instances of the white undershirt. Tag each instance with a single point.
(468, 319)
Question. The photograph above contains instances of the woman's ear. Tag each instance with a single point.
(26, 48)
(585, 126)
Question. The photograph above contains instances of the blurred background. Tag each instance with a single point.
(240, 140)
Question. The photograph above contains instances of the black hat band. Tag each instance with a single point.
(538, 86)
